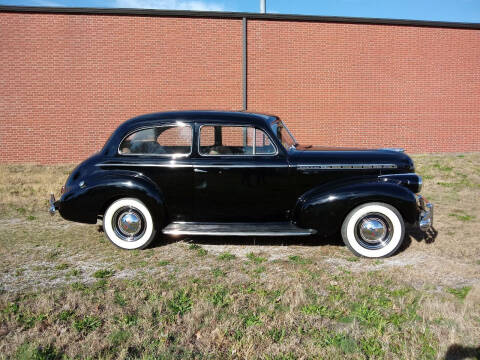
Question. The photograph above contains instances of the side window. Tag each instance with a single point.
(161, 140)
(234, 140)
(226, 140)
(263, 145)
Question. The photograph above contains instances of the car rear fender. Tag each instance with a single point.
(90, 200)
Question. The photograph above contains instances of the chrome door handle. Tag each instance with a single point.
(200, 171)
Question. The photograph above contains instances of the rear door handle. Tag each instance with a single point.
(200, 171)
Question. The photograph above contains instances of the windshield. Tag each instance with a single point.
(284, 135)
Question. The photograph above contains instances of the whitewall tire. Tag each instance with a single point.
(373, 230)
(128, 224)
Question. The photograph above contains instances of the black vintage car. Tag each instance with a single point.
(241, 174)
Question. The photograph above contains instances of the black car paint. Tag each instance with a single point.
(294, 185)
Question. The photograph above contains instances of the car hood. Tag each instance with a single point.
(312, 155)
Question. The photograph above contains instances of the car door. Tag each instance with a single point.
(239, 175)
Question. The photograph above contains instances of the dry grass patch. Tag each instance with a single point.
(68, 293)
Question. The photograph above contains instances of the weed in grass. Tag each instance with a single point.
(259, 270)
(62, 266)
(73, 272)
(163, 263)
(324, 338)
(296, 259)
(353, 259)
(194, 247)
(86, 324)
(34, 352)
(28, 320)
(19, 272)
(181, 303)
(65, 315)
(119, 299)
(460, 293)
(220, 297)
(428, 345)
(53, 254)
(78, 286)
(477, 262)
(320, 310)
(255, 259)
(217, 272)
(129, 320)
(11, 308)
(442, 167)
(369, 316)
(276, 335)
(226, 256)
(251, 319)
(202, 252)
(371, 347)
(289, 356)
(31, 217)
(103, 273)
(119, 337)
(462, 217)
(21, 210)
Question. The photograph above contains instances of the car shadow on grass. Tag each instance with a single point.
(413, 233)
(254, 240)
(459, 352)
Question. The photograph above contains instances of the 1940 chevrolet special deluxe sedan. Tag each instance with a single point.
(241, 174)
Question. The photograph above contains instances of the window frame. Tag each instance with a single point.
(176, 124)
(237, 155)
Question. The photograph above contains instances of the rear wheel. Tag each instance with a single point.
(128, 224)
(373, 230)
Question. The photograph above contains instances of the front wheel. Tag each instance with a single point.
(129, 224)
(373, 230)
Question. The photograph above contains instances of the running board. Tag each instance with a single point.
(236, 229)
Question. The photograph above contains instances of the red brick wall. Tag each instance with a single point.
(67, 81)
(370, 85)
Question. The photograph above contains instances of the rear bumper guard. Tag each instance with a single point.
(53, 205)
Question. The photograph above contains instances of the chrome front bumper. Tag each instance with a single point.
(52, 208)
(425, 220)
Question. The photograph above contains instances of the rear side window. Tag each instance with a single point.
(172, 140)
(234, 141)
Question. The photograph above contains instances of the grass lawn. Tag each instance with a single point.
(66, 292)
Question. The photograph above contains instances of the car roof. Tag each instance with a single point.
(204, 115)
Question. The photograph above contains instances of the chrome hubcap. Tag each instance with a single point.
(374, 231)
(128, 223)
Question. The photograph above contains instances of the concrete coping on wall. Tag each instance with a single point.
(235, 15)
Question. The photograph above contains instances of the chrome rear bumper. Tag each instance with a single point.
(425, 220)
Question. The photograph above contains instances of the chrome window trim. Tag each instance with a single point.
(286, 128)
(176, 124)
(345, 166)
(241, 155)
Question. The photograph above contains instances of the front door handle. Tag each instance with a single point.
(200, 171)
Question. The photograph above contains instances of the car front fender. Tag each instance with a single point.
(85, 202)
(324, 208)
